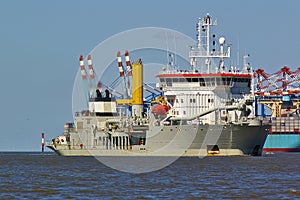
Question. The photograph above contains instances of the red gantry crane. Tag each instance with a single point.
(279, 91)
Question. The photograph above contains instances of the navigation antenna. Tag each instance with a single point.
(171, 57)
(171, 60)
(246, 64)
(203, 49)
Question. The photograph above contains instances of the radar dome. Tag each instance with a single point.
(222, 40)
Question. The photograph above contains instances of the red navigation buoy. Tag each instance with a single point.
(43, 142)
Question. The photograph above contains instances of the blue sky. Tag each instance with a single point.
(41, 41)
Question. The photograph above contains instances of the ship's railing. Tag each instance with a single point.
(178, 71)
(87, 113)
(203, 54)
(203, 88)
(109, 146)
(84, 113)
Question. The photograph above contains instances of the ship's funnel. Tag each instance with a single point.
(136, 102)
(137, 89)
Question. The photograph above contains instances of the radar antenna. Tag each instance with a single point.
(204, 49)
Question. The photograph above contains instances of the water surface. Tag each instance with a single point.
(48, 176)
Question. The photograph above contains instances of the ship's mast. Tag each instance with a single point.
(245, 63)
(206, 50)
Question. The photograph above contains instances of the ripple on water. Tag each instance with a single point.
(55, 177)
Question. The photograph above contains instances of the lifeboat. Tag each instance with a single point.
(160, 109)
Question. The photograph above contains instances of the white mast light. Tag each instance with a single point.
(222, 40)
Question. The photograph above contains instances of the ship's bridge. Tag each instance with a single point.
(235, 83)
(190, 92)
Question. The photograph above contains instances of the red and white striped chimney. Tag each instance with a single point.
(128, 63)
(91, 70)
(82, 69)
(120, 65)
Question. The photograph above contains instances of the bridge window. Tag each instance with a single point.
(195, 80)
(202, 82)
(181, 80)
(226, 81)
(219, 81)
(169, 81)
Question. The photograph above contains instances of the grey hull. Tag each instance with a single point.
(183, 140)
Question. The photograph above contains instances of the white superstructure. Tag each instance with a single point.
(209, 83)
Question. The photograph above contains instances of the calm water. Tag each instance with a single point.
(33, 176)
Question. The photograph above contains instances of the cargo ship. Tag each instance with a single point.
(278, 97)
(207, 109)
(284, 135)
